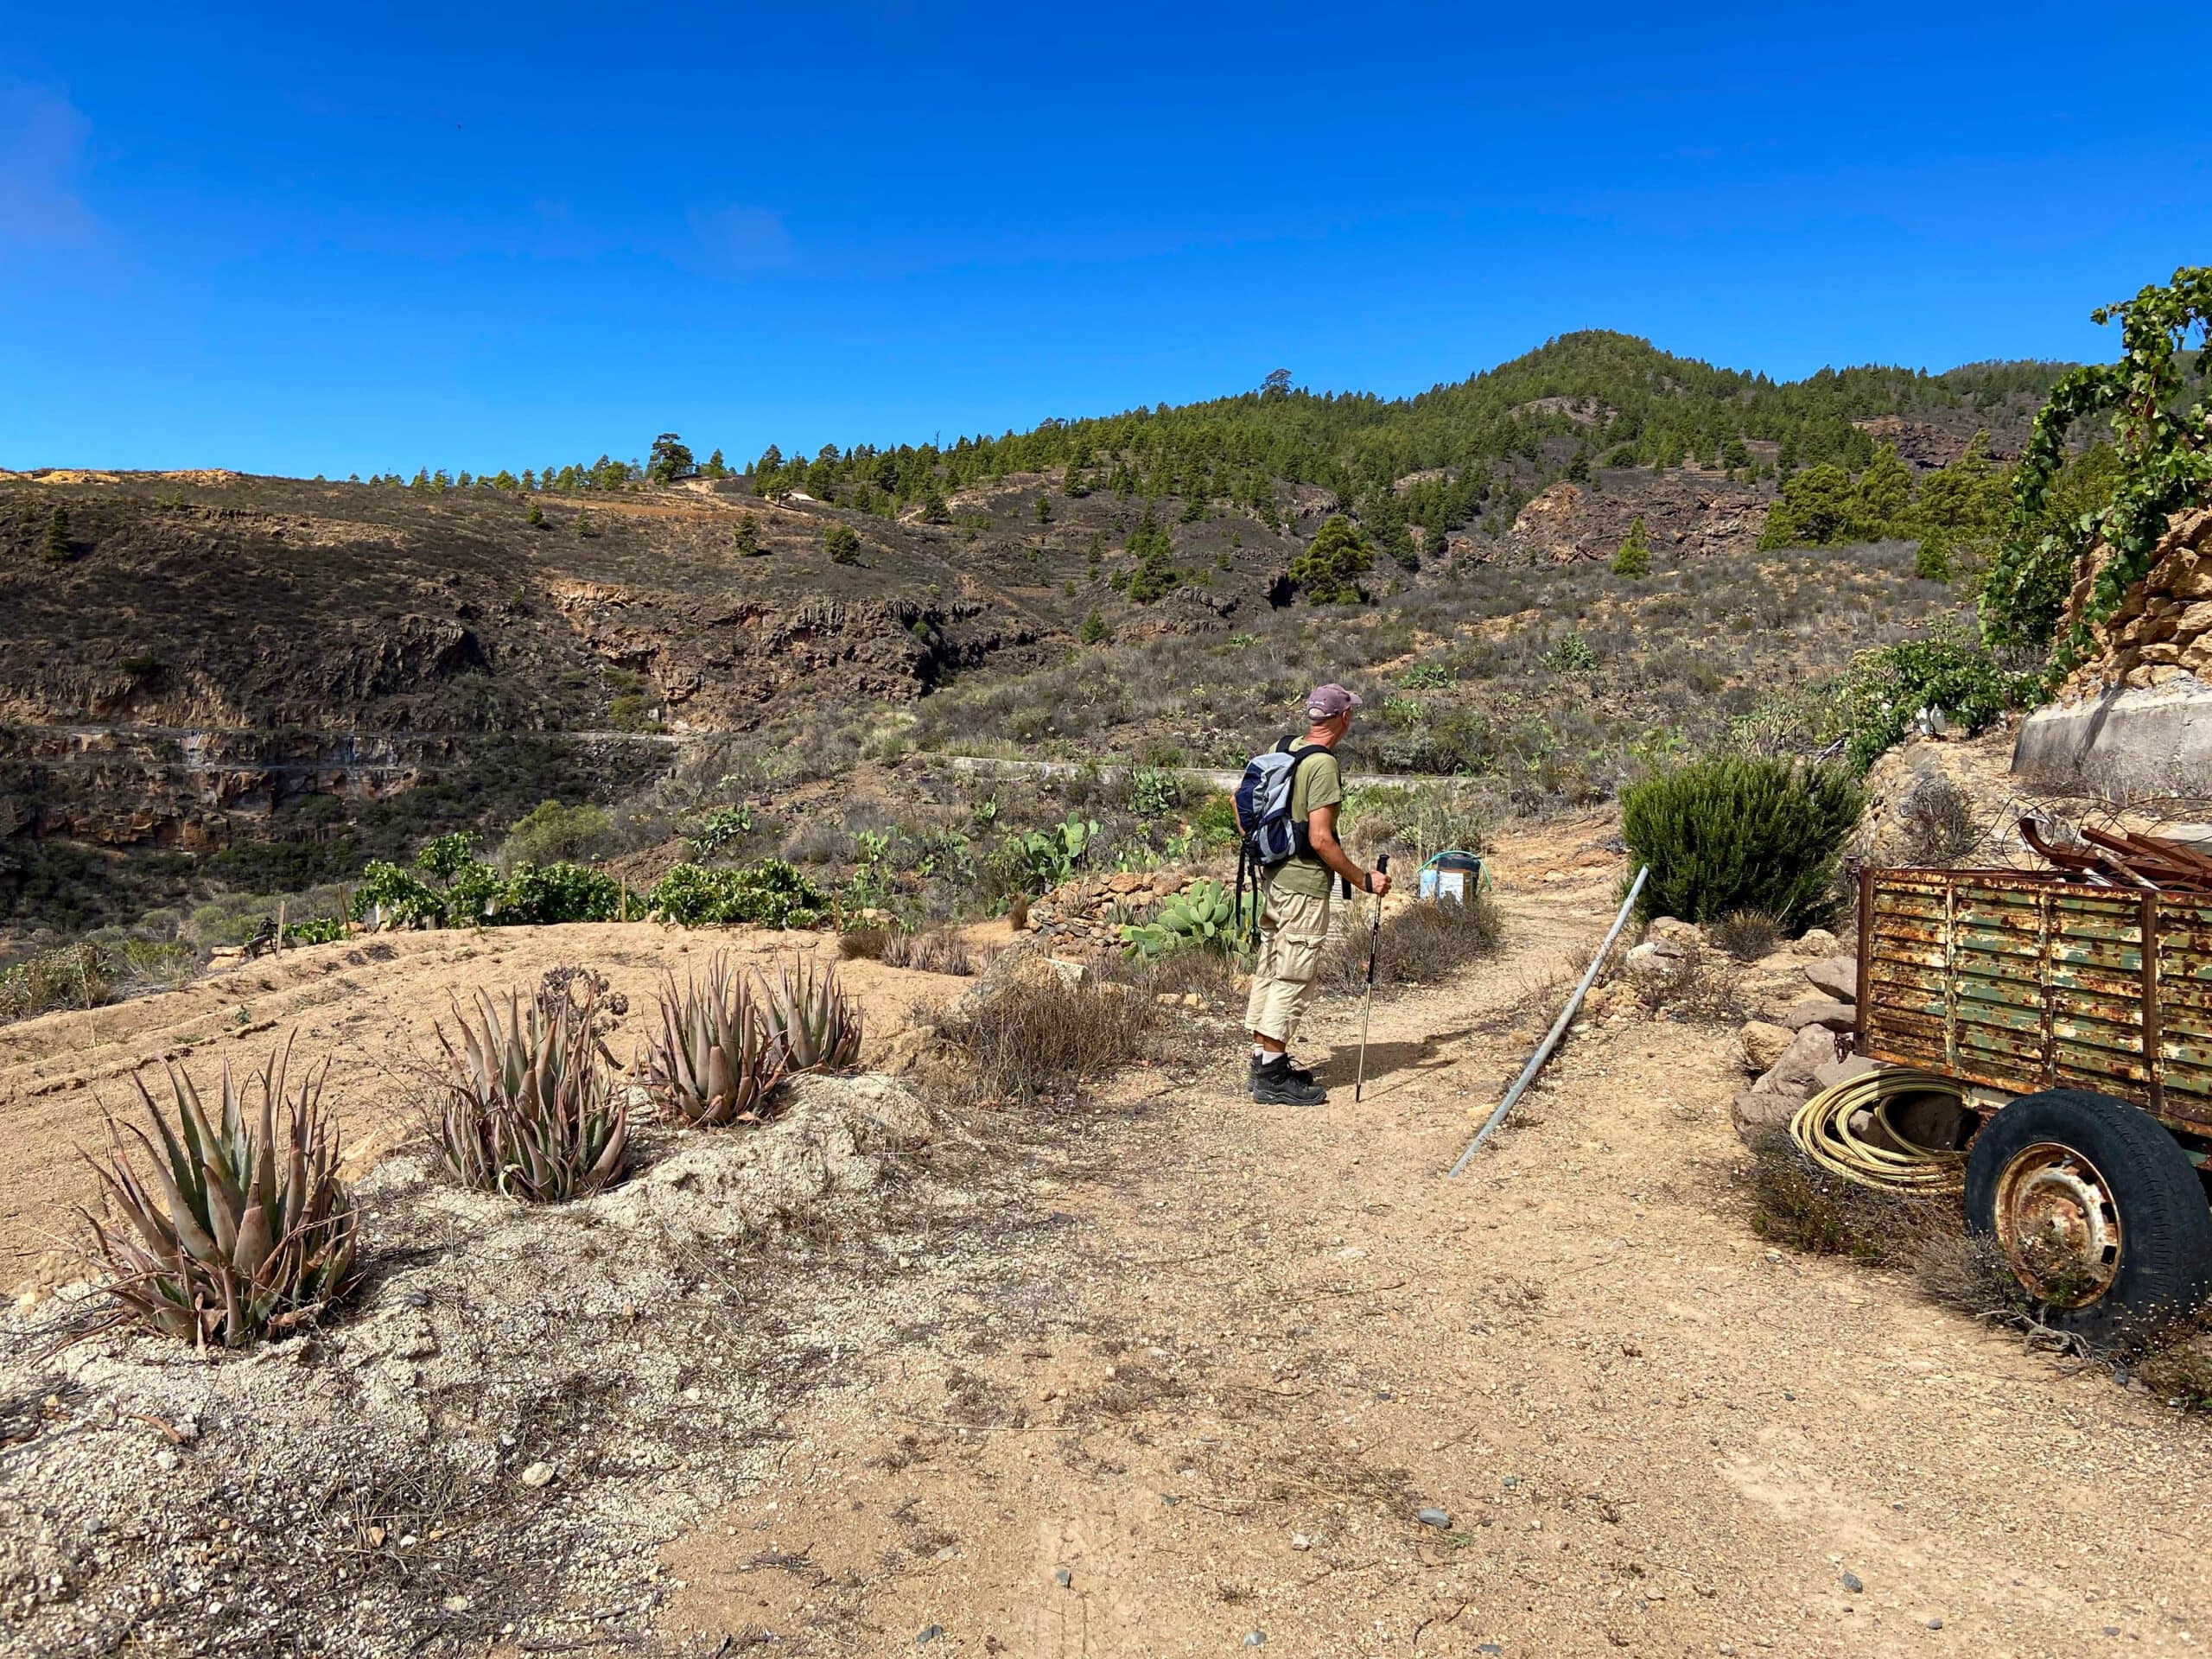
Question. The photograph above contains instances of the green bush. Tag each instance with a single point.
(404, 898)
(1155, 791)
(718, 828)
(1949, 671)
(771, 893)
(546, 894)
(1740, 834)
(550, 833)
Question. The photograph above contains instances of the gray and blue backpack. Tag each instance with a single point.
(1263, 810)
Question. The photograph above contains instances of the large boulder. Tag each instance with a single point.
(1798, 1068)
(1757, 1113)
(1762, 1044)
(1837, 976)
(1843, 1071)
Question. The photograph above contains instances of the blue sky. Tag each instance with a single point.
(327, 239)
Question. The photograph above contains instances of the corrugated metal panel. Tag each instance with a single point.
(2185, 1007)
(2020, 982)
(1907, 1011)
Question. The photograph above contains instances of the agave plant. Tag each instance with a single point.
(244, 1230)
(529, 1107)
(715, 1060)
(1207, 915)
(813, 1026)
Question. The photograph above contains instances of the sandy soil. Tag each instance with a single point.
(367, 1006)
(1260, 1341)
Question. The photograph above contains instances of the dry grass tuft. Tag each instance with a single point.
(1421, 944)
(1798, 1206)
(1035, 1037)
(1747, 935)
(867, 943)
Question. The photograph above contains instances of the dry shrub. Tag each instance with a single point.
(1704, 989)
(1419, 945)
(2176, 1365)
(1747, 935)
(1969, 1273)
(1940, 824)
(1795, 1204)
(1209, 973)
(1034, 1036)
(868, 943)
(928, 953)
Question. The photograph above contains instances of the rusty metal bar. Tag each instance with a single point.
(2044, 906)
(1865, 958)
(2151, 1035)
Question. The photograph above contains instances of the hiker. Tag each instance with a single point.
(1287, 810)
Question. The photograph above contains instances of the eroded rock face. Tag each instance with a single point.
(1684, 515)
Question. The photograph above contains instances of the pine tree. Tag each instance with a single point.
(745, 538)
(1577, 468)
(844, 543)
(57, 548)
(717, 467)
(1635, 557)
(536, 520)
(1093, 631)
(1328, 571)
(584, 526)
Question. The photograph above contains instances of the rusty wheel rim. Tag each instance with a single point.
(2058, 1225)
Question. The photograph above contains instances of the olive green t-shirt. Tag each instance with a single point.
(1319, 782)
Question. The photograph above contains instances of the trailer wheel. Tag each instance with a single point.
(2101, 1214)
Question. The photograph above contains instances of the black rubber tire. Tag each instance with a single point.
(2165, 1225)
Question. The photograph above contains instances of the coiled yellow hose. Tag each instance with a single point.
(1821, 1130)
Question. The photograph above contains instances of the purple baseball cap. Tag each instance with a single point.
(1327, 702)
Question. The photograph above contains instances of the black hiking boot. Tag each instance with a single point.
(1303, 1073)
(1277, 1083)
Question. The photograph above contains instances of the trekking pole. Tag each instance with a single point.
(1374, 944)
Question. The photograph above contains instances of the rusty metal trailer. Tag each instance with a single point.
(2076, 1018)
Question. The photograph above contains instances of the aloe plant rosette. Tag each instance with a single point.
(813, 1024)
(528, 1108)
(715, 1059)
(243, 1229)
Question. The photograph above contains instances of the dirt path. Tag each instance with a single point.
(1203, 1406)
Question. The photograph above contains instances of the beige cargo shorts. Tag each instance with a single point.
(1293, 928)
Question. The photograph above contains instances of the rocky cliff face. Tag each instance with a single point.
(183, 669)
(1684, 514)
